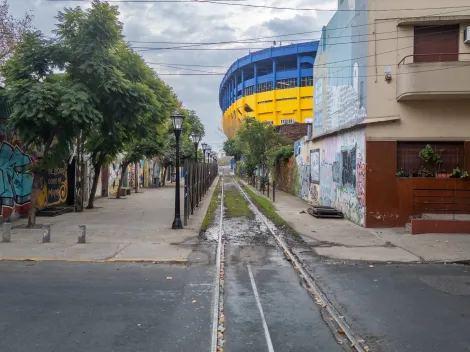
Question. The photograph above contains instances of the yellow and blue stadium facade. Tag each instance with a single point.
(273, 85)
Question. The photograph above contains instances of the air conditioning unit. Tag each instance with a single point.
(466, 35)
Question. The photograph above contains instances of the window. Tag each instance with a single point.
(265, 101)
(306, 81)
(248, 108)
(269, 122)
(282, 99)
(408, 160)
(265, 87)
(307, 97)
(287, 121)
(249, 90)
(286, 83)
(436, 43)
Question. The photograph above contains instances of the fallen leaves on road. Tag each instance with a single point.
(139, 324)
(222, 319)
(194, 301)
(340, 331)
(169, 278)
(371, 266)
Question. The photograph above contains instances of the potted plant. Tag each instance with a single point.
(432, 160)
(402, 173)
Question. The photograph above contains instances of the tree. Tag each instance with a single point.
(11, 30)
(232, 149)
(125, 89)
(48, 110)
(255, 139)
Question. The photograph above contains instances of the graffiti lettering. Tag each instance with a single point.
(349, 167)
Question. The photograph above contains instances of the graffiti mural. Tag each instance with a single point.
(342, 174)
(54, 188)
(315, 165)
(304, 181)
(114, 178)
(16, 181)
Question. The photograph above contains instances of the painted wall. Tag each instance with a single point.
(340, 70)
(16, 182)
(342, 174)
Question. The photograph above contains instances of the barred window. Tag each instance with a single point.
(286, 83)
(249, 90)
(282, 99)
(265, 87)
(287, 121)
(306, 81)
(451, 153)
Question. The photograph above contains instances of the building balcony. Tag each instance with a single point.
(433, 80)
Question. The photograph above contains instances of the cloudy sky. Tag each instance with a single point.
(173, 24)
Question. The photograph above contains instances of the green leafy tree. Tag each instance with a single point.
(48, 110)
(255, 139)
(231, 148)
(125, 89)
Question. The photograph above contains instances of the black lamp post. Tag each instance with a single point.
(196, 138)
(208, 149)
(177, 120)
(204, 148)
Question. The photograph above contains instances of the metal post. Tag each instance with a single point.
(186, 202)
(268, 188)
(46, 233)
(177, 224)
(274, 191)
(82, 234)
(6, 237)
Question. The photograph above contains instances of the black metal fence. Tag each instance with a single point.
(263, 185)
(198, 177)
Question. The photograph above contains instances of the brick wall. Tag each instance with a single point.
(293, 131)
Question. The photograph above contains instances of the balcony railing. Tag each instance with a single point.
(439, 55)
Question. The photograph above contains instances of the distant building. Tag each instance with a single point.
(273, 85)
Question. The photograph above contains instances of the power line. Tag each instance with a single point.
(238, 3)
(187, 69)
(341, 43)
(191, 65)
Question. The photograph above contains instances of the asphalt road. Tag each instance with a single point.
(54, 306)
(397, 308)
(290, 320)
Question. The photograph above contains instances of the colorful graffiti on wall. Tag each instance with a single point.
(16, 181)
(342, 174)
(54, 188)
(114, 178)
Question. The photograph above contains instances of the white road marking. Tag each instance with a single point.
(216, 299)
(260, 308)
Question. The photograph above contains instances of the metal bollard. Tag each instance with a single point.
(6, 237)
(46, 235)
(82, 234)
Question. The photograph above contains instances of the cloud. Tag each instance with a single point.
(197, 22)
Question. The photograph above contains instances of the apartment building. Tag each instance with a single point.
(390, 78)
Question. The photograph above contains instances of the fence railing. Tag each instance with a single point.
(198, 177)
(441, 201)
(263, 185)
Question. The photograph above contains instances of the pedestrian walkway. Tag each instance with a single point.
(342, 239)
(134, 228)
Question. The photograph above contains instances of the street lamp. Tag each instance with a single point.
(204, 148)
(196, 138)
(177, 120)
(208, 149)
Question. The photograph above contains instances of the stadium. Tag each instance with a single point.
(273, 85)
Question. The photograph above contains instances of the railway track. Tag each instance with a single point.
(245, 272)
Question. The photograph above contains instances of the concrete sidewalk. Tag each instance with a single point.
(342, 239)
(134, 228)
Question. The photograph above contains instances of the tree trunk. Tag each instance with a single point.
(123, 170)
(136, 176)
(94, 186)
(33, 200)
(165, 170)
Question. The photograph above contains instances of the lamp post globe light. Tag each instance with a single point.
(177, 120)
(204, 148)
(196, 138)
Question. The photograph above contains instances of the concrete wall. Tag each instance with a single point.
(390, 40)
